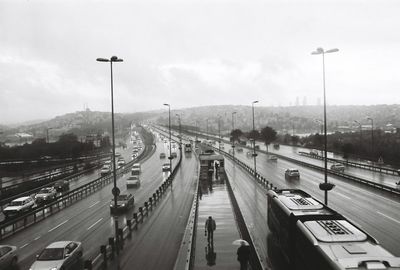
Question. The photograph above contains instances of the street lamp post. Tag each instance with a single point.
(372, 136)
(169, 128)
(233, 139)
(207, 129)
(254, 142)
(360, 126)
(219, 132)
(180, 134)
(325, 186)
(115, 190)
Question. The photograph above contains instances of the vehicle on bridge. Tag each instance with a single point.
(61, 185)
(46, 195)
(166, 167)
(312, 236)
(59, 255)
(188, 147)
(8, 257)
(19, 206)
(133, 181)
(124, 202)
(292, 174)
(338, 167)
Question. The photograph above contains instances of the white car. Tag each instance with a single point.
(133, 181)
(18, 206)
(337, 167)
(59, 255)
(46, 194)
(166, 167)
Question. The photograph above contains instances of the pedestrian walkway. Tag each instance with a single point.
(220, 254)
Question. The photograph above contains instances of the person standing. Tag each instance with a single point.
(243, 253)
(210, 227)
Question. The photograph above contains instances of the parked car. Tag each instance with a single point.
(337, 167)
(19, 206)
(133, 181)
(166, 167)
(61, 185)
(8, 257)
(162, 155)
(46, 195)
(292, 174)
(59, 255)
(124, 202)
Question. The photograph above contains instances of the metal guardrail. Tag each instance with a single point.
(355, 164)
(110, 249)
(11, 227)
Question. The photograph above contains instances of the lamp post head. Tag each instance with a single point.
(102, 60)
(166, 104)
(255, 102)
(116, 59)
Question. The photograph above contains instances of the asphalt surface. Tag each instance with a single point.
(89, 219)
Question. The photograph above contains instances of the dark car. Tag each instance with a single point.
(61, 185)
(8, 257)
(124, 202)
(292, 174)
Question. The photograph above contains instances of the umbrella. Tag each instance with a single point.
(239, 242)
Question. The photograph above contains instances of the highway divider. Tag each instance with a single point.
(11, 227)
(114, 246)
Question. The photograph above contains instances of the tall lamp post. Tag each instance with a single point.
(254, 142)
(360, 126)
(207, 129)
(180, 134)
(219, 132)
(325, 186)
(372, 135)
(115, 190)
(169, 128)
(233, 139)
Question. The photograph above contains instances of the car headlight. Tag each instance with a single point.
(54, 268)
(123, 205)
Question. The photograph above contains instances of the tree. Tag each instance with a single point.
(39, 141)
(68, 138)
(268, 135)
(347, 149)
(295, 139)
(254, 135)
(236, 135)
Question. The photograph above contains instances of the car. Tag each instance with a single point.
(292, 174)
(46, 195)
(257, 147)
(61, 185)
(59, 255)
(273, 158)
(124, 202)
(337, 167)
(19, 206)
(162, 155)
(239, 149)
(133, 180)
(276, 146)
(121, 162)
(8, 257)
(166, 167)
(174, 155)
(106, 169)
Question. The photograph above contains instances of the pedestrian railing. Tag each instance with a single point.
(115, 245)
(11, 227)
(369, 167)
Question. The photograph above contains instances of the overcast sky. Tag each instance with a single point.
(193, 53)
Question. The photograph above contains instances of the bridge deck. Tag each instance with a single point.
(219, 254)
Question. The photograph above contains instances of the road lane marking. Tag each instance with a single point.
(62, 223)
(386, 216)
(94, 224)
(37, 238)
(344, 196)
(94, 204)
(23, 246)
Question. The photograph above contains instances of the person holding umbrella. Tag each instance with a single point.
(243, 254)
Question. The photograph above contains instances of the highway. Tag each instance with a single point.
(87, 220)
(378, 214)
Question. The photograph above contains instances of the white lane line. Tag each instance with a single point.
(94, 204)
(62, 223)
(386, 216)
(344, 196)
(23, 246)
(37, 238)
(94, 224)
